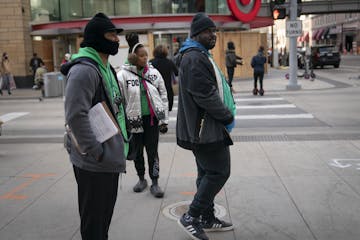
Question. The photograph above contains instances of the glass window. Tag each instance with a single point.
(91, 7)
(64, 10)
(122, 7)
(161, 6)
(130, 7)
(45, 10)
(217, 6)
(71, 9)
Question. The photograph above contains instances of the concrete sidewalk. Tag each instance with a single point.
(277, 190)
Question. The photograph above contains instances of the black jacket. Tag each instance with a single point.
(166, 67)
(231, 59)
(202, 115)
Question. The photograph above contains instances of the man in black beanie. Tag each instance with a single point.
(97, 165)
(205, 117)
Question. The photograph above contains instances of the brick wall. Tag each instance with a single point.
(15, 36)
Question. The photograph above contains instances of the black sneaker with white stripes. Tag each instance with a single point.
(216, 225)
(192, 226)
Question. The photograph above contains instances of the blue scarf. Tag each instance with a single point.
(189, 43)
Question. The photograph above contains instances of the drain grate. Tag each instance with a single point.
(176, 210)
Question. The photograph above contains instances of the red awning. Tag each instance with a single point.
(306, 37)
(314, 33)
(300, 38)
(319, 34)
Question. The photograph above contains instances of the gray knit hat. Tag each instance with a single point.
(199, 23)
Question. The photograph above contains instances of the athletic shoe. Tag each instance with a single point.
(216, 225)
(140, 186)
(261, 92)
(255, 91)
(192, 226)
(156, 191)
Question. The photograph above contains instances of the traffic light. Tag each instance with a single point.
(279, 13)
(278, 9)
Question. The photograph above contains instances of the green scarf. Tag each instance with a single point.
(223, 86)
(111, 87)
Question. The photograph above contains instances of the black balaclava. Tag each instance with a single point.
(94, 35)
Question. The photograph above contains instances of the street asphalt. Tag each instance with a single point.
(291, 182)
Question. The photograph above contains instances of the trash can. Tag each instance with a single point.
(53, 84)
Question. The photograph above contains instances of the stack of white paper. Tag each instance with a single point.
(102, 122)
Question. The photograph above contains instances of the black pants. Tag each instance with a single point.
(230, 72)
(259, 75)
(170, 97)
(213, 168)
(97, 194)
(148, 139)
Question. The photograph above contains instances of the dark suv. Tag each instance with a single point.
(325, 55)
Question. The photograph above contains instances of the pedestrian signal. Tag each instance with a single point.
(279, 13)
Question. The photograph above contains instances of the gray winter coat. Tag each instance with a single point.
(83, 90)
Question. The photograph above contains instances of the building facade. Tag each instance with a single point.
(341, 30)
(52, 28)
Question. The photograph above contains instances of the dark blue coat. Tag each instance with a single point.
(258, 61)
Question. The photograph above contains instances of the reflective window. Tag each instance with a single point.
(65, 10)
(91, 7)
(71, 9)
(45, 10)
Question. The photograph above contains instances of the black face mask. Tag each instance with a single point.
(107, 47)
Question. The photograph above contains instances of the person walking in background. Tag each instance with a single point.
(167, 69)
(34, 64)
(231, 60)
(67, 58)
(206, 111)
(92, 80)
(257, 63)
(39, 79)
(5, 73)
(146, 105)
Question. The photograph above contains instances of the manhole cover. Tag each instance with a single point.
(176, 210)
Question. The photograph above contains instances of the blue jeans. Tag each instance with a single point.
(6, 82)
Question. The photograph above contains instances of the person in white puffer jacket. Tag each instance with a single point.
(145, 98)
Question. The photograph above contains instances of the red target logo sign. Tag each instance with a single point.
(244, 10)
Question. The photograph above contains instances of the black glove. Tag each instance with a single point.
(163, 128)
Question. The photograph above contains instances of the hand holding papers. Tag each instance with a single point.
(102, 122)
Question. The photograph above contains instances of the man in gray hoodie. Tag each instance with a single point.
(97, 165)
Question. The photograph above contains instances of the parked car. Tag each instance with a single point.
(325, 55)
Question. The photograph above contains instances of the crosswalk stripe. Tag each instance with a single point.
(262, 99)
(266, 116)
(274, 116)
(259, 107)
(10, 116)
(267, 106)
(258, 99)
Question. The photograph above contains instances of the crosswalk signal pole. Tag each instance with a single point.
(293, 85)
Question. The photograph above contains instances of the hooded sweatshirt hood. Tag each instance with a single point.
(189, 43)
